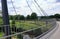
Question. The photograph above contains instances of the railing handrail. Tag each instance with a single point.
(20, 32)
(29, 30)
(54, 27)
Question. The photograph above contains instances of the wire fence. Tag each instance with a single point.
(49, 33)
(19, 33)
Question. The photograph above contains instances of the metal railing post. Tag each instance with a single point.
(5, 18)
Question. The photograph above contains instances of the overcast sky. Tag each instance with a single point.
(49, 6)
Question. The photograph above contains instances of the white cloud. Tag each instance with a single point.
(51, 1)
(50, 6)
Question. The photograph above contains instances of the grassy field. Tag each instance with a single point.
(29, 24)
(1, 34)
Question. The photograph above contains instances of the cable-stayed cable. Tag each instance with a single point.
(31, 9)
(14, 7)
(41, 9)
(15, 11)
(29, 6)
(38, 9)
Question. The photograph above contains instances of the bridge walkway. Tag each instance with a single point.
(56, 35)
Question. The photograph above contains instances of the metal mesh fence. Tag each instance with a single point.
(22, 33)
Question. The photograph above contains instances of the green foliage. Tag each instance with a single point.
(28, 17)
(13, 25)
(26, 25)
(1, 34)
(35, 33)
(17, 17)
(44, 17)
(34, 16)
(51, 16)
(11, 17)
(20, 29)
(22, 17)
(13, 21)
(19, 36)
(1, 20)
(57, 15)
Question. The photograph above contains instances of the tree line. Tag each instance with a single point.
(33, 16)
(22, 17)
(57, 16)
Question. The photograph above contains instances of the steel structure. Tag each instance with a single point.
(5, 18)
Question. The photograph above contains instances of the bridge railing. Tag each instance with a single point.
(35, 33)
(49, 33)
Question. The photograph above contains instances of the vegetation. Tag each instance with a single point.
(34, 16)
(21, 23)
(57, 16)
(27, 24)
(35, 32)
(1, 34)
(28, 17)
(1, 21)
(21, 17)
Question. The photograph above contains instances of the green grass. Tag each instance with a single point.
(28, 24)
(1, 34)
(1, 21)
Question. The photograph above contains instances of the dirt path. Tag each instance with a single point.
(56, 35)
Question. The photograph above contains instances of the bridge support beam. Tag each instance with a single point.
(5, 18)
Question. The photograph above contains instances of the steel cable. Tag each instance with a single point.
(41, 8)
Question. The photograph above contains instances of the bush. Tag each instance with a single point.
(19, 36)
(20, 30)
(35, 33)
(0, 29)
(14, 28)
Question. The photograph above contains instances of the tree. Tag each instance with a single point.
(57, 15)
(28, 17)
(11, 17)
(51, 16)
(22, 17)
(34, 16)
(16, 17)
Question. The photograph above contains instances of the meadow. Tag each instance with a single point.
(27, 25)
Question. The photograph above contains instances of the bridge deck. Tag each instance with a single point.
(56, 35)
